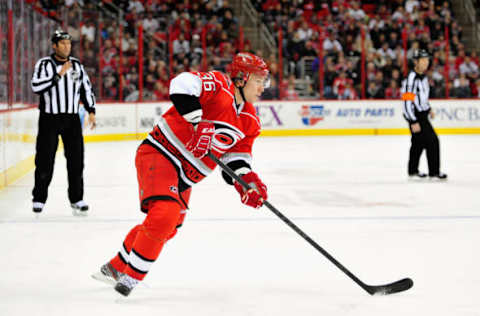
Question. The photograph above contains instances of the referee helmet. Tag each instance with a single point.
(60, 35)
(420, 53)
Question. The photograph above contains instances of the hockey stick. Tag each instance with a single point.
(390, 288)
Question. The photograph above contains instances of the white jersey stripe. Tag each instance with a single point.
(197, 163)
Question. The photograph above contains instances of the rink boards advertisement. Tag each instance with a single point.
(124, 121)
(290, 118)
(362, 117)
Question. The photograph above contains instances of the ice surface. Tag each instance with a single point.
(350, 194)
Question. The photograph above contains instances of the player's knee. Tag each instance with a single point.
(162, 219)
(179, 224)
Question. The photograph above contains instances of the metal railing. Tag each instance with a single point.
(265, 39)
(24, 38)
(470, 11)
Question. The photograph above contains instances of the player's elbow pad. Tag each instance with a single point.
(187, 106)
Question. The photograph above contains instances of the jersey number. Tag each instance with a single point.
(208, 84)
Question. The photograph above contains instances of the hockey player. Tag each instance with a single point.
(211, 112)
(416, 110)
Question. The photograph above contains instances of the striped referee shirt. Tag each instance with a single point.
(62, 95)
(415, 91)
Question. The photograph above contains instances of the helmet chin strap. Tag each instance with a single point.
(242, 94)
(240, 88)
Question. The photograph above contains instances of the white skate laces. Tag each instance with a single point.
(128, 281)
(126, 284)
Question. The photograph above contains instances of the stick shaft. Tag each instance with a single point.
(292, 225)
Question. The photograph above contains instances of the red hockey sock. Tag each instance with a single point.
(160, 223)
(119, 262)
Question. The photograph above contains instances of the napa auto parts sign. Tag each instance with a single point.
(329, 114)
(377, 114)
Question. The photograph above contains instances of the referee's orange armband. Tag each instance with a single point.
(408, 96)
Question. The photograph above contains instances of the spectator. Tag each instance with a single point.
(469, 68)
(393, 91)
(160, 92)
(349, 92)
(290, 93)
(308, 50)
(461, 87)
(379, 80)
(385, 51)
(196, 47)
(415, 46)
(393, 40)
(304, 32)
(217, 64)
(329, 76)
(331, 45)
(356, 12)
(477, 85)
(374, 91)
(371, 71)
(474, 57)
(272, 92)
(136, 6)
(150, 25)
(88, 31)
(181, 45)
(399, 15)
(459, 59)
(340, 84)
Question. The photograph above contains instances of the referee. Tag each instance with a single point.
(416, 109)
(61, 82)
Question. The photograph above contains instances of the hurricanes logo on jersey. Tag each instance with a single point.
(226, 136)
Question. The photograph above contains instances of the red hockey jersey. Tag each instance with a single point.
(236, 126)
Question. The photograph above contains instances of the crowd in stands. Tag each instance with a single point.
(333, 27)
(109, 50)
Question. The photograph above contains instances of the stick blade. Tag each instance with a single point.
(391, 288)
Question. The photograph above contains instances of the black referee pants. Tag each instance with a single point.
(68, 126)
(425, 139)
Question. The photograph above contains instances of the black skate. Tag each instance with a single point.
(126, 284)
(38, 207)
(438, 177)
(108, 274)
(79, 208)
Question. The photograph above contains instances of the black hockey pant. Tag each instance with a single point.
(425, 139)
(50, 126)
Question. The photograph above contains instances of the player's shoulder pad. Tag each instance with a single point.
(186, 83)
